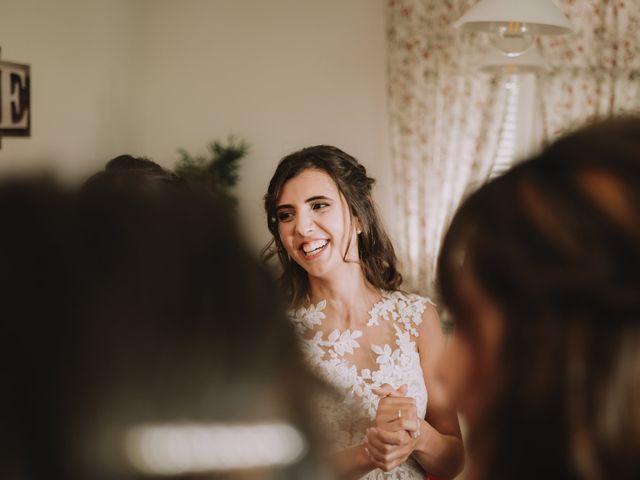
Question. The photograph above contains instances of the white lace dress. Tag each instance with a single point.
(356, 361)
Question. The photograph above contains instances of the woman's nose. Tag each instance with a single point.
(304, 225)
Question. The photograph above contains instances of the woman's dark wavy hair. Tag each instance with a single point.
(555, 242)
(377, 256)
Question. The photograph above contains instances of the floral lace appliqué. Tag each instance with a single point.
(397, 362)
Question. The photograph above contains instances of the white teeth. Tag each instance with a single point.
(312, 246)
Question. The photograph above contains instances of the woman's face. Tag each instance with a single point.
(471, 365)
(314, 223)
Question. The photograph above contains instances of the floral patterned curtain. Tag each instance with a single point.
(596, 72)
(445, 120)
(445, 116)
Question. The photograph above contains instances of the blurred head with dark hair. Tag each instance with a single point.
(126, 171)
(541, 271)
(142, 339)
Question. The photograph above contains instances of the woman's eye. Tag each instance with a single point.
(319, 205)
(284, 216)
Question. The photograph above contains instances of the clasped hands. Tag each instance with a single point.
(397, 428)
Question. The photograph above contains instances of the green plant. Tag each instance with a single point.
(218, 170)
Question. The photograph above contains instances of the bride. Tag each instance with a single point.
(377, 345)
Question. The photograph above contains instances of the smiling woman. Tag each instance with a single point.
(345, 179)
(376, 345)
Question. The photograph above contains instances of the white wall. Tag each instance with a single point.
(79, 52)
(283, 74)
(150, 76)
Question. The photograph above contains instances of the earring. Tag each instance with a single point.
(359, 231)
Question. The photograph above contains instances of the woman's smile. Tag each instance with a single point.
(314, 248)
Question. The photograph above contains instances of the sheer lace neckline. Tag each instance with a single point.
(392, 322)
(313, 314)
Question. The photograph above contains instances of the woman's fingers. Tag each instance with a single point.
(397, 402)
(404, 408)
(382, 451)
(384, 390)
(388, 449)
(383, 420)
(405, 411)
(393, 408)
(387, 390)
(401, 424)
(385, 437)
(383, 462)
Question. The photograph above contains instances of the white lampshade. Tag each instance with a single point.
(529, 62)
(542, 17)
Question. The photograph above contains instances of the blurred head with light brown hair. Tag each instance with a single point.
(540, 269)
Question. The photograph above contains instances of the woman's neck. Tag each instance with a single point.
(348, 294)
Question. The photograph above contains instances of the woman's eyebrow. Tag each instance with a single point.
(317, 197)
(308, 200)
